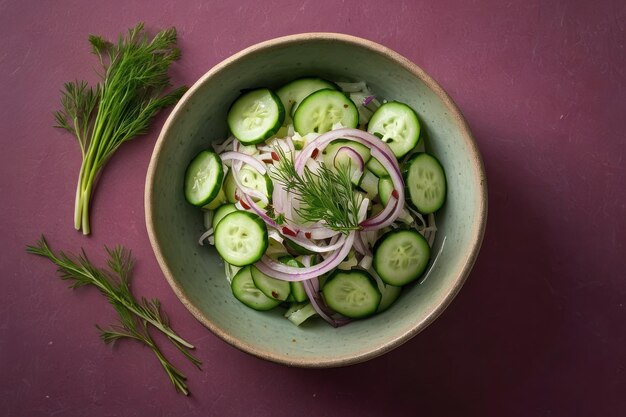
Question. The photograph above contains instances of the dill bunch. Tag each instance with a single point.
(121, 106)
(136, 317)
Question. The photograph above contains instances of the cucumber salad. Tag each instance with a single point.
(321, 201)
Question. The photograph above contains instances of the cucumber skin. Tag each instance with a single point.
(272, 131)
(381, 239)
(404, 169)
(219, 179)
(372, 282)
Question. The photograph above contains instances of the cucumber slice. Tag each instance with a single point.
(385, 188)
(330, 151)
(400, 256)
(292, 93)
(244, 290)
(377, 168)
(271, 287)
(352, 293)
(321, 110)
(397, 125)
(298, 292)
(297, 288)
(255, 116)
(221, 212)
(241, 238)
(389, 296)
(426, 183)
(369, 184)
(203, 178)
(251, 178)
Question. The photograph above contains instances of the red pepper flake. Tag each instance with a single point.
(288, 231)
(315, 153)
(275, 156)
(244, 205)
(395, 194)
(274, 294)
(307, 235)
(268, 161)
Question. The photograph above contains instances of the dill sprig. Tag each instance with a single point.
(135, 316)
(120, 107)
(326, 195)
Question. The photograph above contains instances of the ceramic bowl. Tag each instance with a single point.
(196, 273)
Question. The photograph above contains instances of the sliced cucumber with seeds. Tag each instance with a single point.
(251, 178)
(241, 238)
(400, 256)
(221, 212)
(292, 93)
(397, 125)
(203, 178)
(352, 293)
(255, 116)
(321, 110)
(244, 290)
(271, 287)
(426, 183)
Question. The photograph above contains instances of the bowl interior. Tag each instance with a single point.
(196, 273)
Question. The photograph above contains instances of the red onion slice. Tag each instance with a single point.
(382, 219)
(361, 246)
(313, 299)
(355, 160)
(245, 158)
(284, 272)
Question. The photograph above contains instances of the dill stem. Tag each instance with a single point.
(78, 201)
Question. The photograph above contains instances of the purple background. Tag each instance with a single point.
(539, 328)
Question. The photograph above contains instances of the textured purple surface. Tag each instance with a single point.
(539, 328)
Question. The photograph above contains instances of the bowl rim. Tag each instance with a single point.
(477, 231)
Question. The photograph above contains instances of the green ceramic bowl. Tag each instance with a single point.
(196, 273)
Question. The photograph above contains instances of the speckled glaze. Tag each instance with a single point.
(196, 273)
